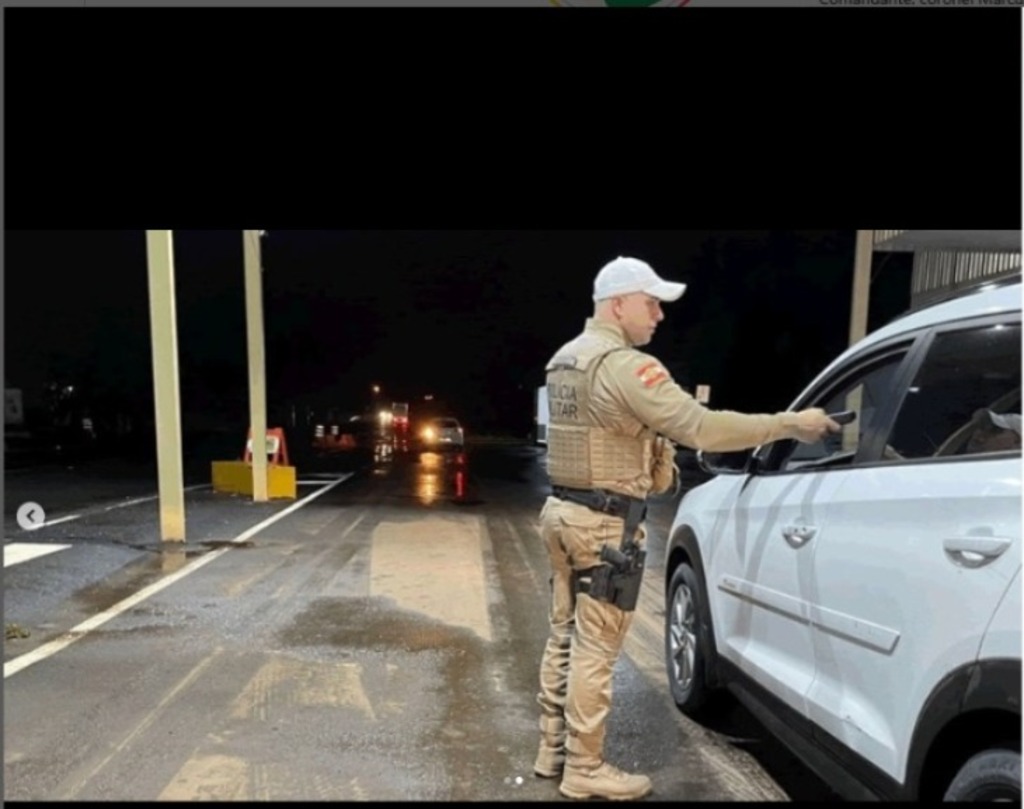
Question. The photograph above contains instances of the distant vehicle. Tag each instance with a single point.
(400, 420)
(442, 432)
(862, 595)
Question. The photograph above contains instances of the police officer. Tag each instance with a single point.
(611, 408)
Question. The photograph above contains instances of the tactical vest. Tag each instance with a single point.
(581, 453)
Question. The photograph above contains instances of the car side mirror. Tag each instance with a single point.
(725, 463)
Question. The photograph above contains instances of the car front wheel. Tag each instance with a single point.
(992, 775)
(687, 647)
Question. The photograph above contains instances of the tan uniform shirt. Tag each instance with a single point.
(632, 386)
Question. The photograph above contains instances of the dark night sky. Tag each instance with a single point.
(468, 316)
(618, 121)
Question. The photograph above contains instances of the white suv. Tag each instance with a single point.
(862, 595)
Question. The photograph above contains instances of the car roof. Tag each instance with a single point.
(985, 300)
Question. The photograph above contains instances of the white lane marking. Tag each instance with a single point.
(138, 500)
(54, 522)
(51, 648)
(16, 552)
(132, 502)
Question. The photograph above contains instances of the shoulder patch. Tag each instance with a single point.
(650, 373)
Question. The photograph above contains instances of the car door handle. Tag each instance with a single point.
(975, 551)
(797, 535)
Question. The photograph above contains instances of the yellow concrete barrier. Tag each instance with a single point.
(236, 477)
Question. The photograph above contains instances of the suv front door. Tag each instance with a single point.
(923, 541)
(762, 567)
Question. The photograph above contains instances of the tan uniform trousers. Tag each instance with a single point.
(586, 634)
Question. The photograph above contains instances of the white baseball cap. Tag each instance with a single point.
(625, 275)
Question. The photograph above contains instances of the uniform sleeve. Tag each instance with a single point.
(642, 385)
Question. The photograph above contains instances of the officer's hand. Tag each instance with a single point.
(664, 473)
(813, 424)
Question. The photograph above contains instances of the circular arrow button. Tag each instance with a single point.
(31, 516)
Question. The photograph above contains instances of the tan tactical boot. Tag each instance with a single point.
(551, 755)
(603, 781)
(550, 761)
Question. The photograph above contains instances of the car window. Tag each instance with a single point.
(965, 398)
(864, 391)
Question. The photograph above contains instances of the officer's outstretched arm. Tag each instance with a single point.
(644, 386)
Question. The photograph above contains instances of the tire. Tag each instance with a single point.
(992, 775)
(688, 646)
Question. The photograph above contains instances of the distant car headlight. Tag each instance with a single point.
(429, 434)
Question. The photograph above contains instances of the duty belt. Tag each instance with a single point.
(599, 500)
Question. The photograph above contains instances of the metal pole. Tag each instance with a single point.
(864, 251)
(257, 372)
(160, 257)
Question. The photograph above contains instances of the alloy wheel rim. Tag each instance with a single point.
(683, 637)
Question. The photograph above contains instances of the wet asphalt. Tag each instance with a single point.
(375, 639)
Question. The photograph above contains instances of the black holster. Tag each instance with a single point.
(617, 580)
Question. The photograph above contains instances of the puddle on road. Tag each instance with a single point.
(473, 733)
(161, 561)
(213, 544)
(372, 623)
